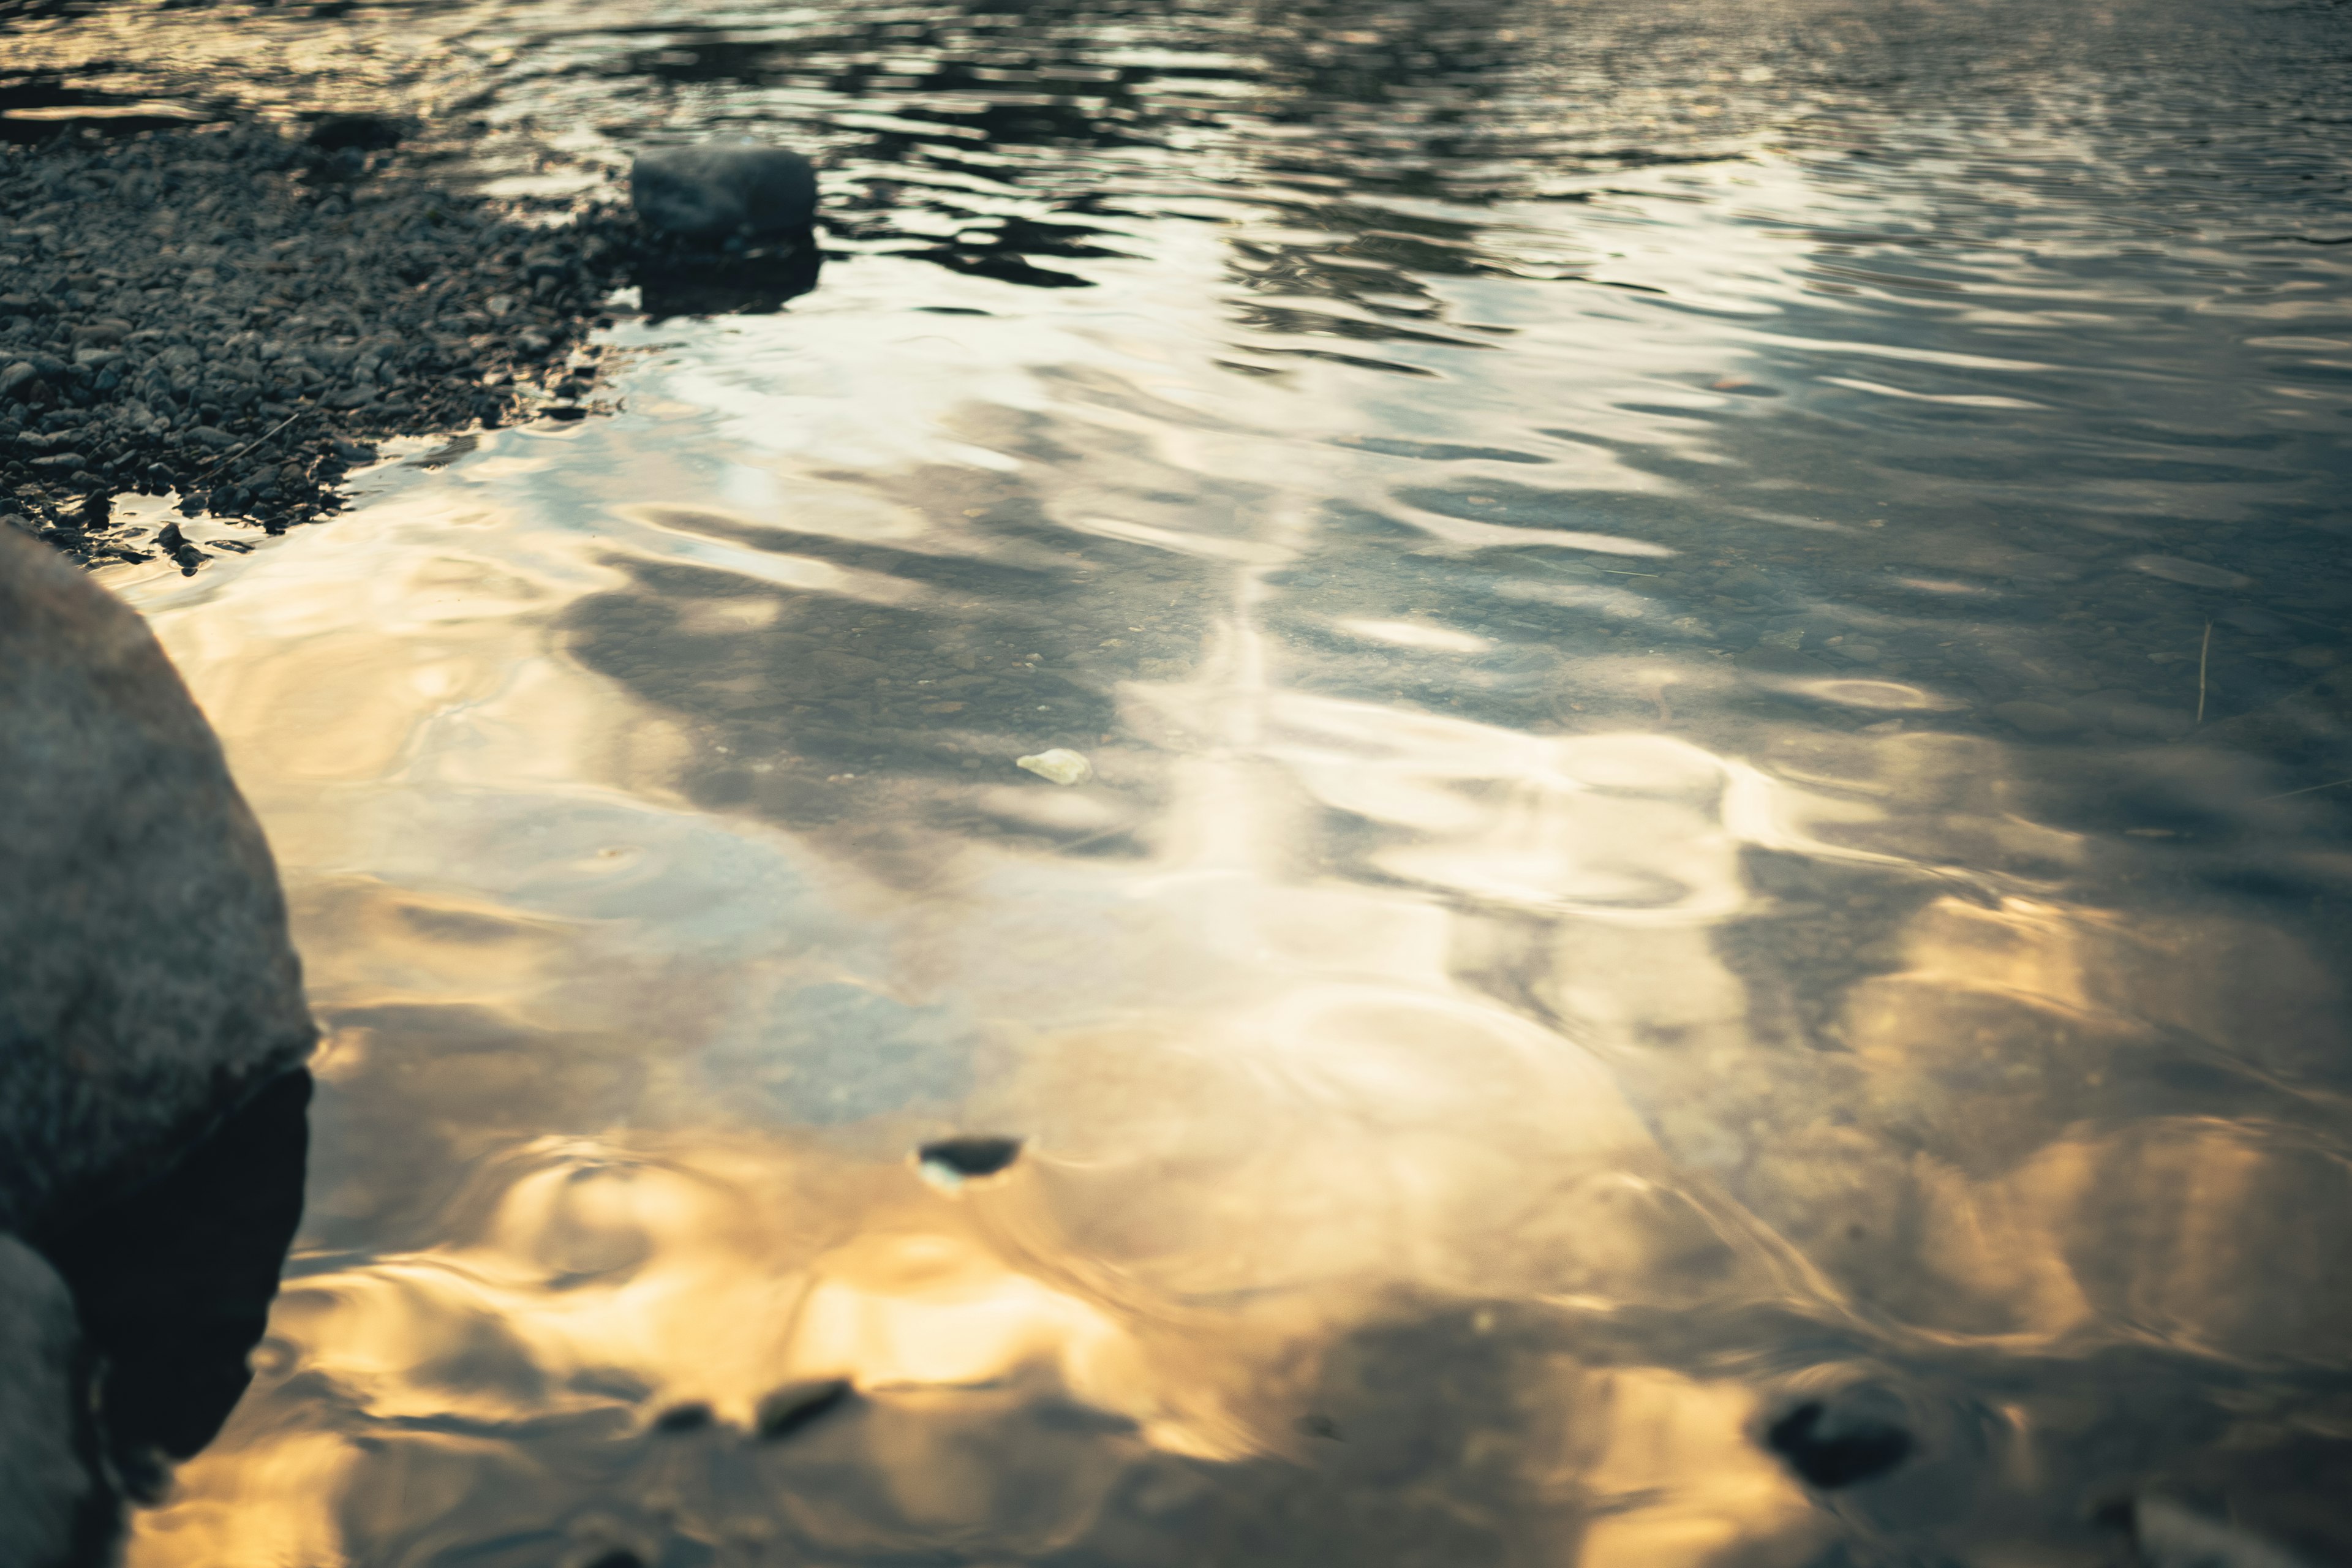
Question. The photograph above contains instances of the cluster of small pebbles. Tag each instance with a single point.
(237, 314)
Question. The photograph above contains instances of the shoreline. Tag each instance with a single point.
(236, 316)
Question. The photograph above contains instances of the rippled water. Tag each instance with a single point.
(1714, 640)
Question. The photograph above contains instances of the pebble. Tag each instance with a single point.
(948, 1163)
(1058, 766)
(1832, 1444)
(795, 1406)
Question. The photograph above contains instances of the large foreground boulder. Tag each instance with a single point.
(147, 984)
(153, 1098)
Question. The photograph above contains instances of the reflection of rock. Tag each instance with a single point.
(174, 1283)
(682, 280)
(150, 991)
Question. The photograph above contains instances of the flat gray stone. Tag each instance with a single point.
(149, 988)
(43, 1483)
(710, 193)
(2044, 720)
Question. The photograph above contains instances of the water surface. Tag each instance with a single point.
(1712, 639)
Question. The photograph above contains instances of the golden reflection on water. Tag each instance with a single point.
(1278, 1123)
(1298, 1117)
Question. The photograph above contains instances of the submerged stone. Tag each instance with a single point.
(2042, 720)
(1059, 765)
(712, 193)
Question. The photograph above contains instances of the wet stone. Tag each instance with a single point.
(968, 1157)
(710, 193)
(683, 1418)
(1832, 1447)
(799, 1406)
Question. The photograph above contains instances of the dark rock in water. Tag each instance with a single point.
(969, 1156)
(797, 1406)
(710, 193)
(683, 1419)
(1832, 1447)
(150, 987)
(46, 1484)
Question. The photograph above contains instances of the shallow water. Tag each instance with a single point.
(1638, 584)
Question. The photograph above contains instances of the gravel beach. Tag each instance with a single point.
(235, 314)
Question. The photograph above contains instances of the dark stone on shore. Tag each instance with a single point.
(710, 193)
(150, 985)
